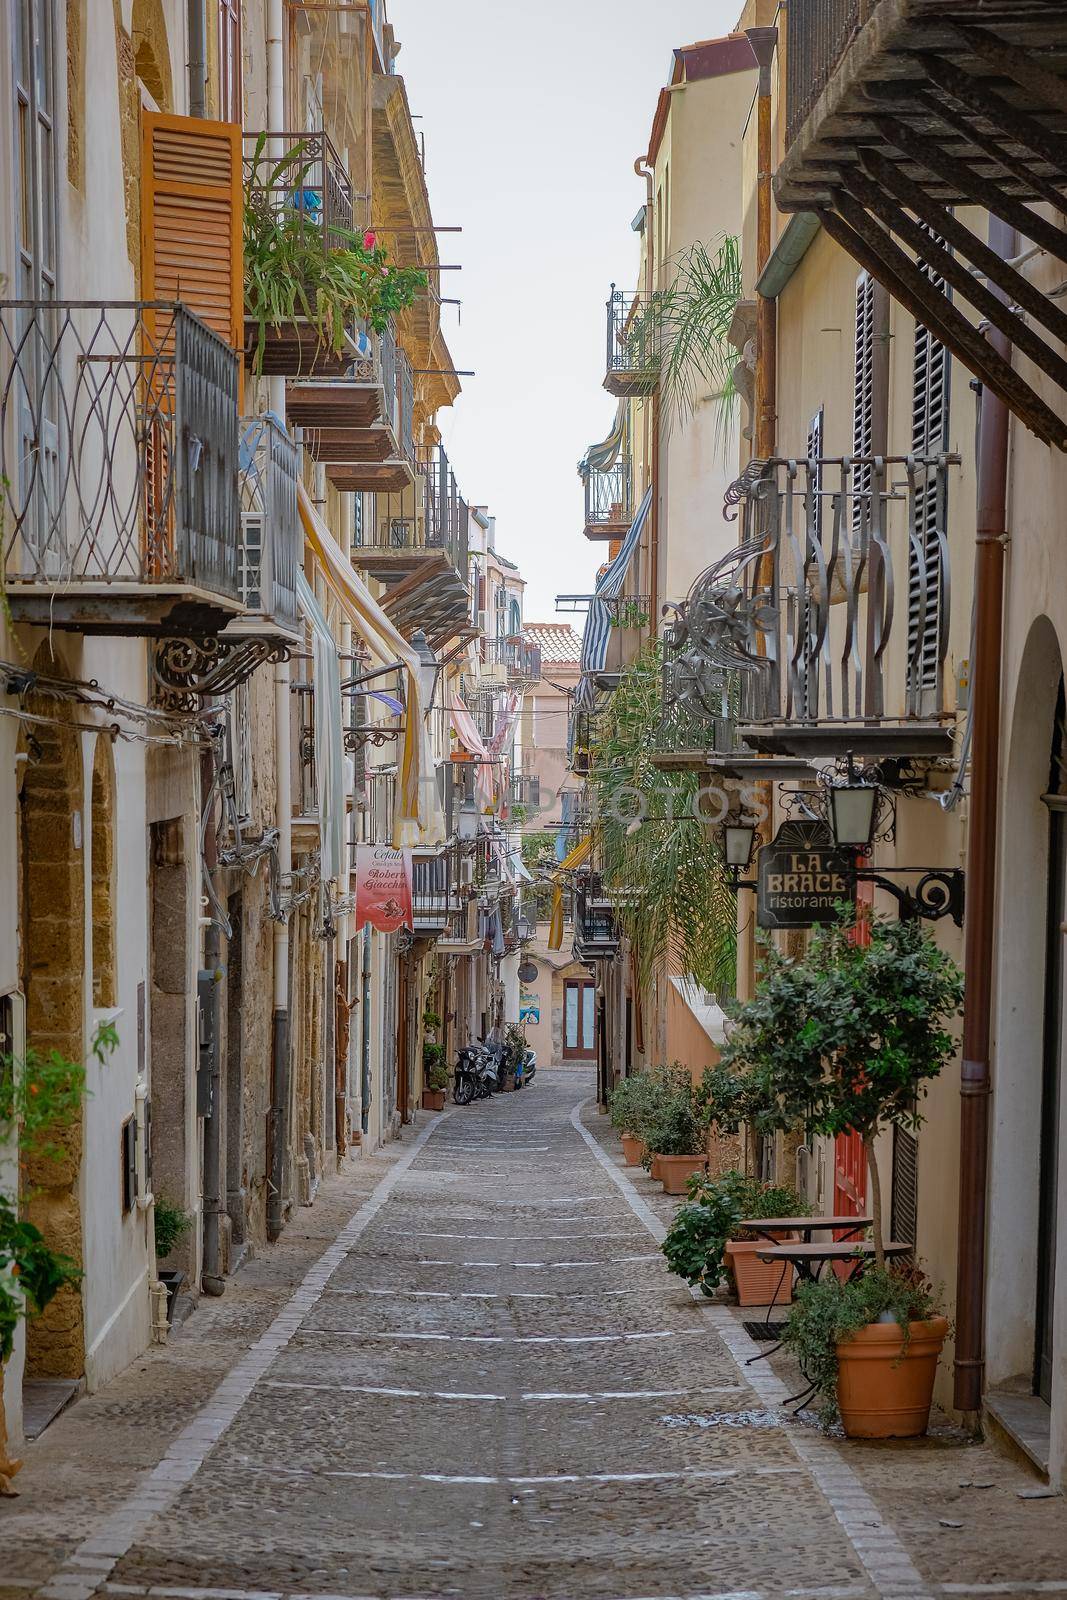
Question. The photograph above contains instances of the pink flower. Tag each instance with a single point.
(369, 241)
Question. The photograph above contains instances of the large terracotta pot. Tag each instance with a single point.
(433, 1099)
(758, 1283)
(675, 1171)
(653, 1170)
(632, 1149)
(880, 1394)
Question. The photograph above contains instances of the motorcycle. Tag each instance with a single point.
(467, 1074)
(488, 1073)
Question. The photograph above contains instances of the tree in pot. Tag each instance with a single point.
(699, 1238)
(847, 1039)
(435, 1076)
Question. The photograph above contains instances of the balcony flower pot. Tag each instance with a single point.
(433, 1099)
(675, 1171)
(885, 1384)
(758, 1283)
(633, 1149)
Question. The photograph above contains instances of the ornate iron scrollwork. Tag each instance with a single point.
(187, 669)
(357, 738)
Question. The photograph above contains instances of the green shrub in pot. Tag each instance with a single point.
(170, 1224)
(695, 1245)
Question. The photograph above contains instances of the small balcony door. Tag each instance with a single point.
(579, 1020)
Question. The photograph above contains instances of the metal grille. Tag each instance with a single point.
(819, 32)
(301, 175)
(631, 341)
(118, 445)
(863, 392)
(609, 495)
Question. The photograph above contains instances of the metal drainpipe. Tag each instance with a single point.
(364, 1066)
(644, 170)
(211, 1279)
(763, 42)
(196, 22)
(975, 1079)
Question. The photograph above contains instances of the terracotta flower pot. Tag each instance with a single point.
(675, 1171)
(758, 1283)
(632, 1149)
(653, 1170)
(433, 1099)
(880, 1394)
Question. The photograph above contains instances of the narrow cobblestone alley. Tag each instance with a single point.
(473, 1377)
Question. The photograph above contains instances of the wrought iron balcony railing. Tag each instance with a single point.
(118, 456)
(271, 538)
(429, 514)
(435, 890)
(301, 175)
(819, 32)
(827, 628)
(609, 500)
(526, 791)
(596, 928)
(520, 659)
(632, 344)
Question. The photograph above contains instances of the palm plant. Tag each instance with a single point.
(676, 903)
(686, 325)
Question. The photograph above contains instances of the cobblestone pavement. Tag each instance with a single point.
(467, 1373)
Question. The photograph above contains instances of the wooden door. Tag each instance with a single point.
(579, 1020)
(1050, 1098)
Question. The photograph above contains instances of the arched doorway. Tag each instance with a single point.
(1055, 801)
(52, 971)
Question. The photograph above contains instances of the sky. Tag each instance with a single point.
(533, 117)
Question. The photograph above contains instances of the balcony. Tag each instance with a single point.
(900, 116)
(299, 177)
(526, 791)
(826, 630)
(118, 457)
(271, 537)
(359, 425)
(596, 930)
(514, 658)
(436, 897)
(631, 367)
(416, 545)
(609, 508)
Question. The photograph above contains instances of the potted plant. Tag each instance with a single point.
(703, 1237)
(847, 1039)
(435, 1076)
(431, 1022)
(41, 1095)
(673, 1129)
(299, 281)
(627, 1106)
(170, 1224)
(847, 1334)
(515, 1041)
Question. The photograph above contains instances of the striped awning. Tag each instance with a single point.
(598, 620)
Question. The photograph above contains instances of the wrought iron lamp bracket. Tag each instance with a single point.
(939, 892)
(356, 739)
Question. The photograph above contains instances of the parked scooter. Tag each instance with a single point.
(488, 1072)
(468, 1074)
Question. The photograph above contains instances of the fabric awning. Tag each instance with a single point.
(598, 621)
(418, 818)
(577, 857)
(599, 457)
(329, 734)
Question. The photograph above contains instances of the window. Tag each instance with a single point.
(229, 60)
(514, 619)
(35, 199)
(929, 437)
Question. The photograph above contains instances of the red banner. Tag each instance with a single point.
(383, 888)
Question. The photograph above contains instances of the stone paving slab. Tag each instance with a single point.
(257, 1458)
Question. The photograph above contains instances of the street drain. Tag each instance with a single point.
(723, 1419)
(764, 1332)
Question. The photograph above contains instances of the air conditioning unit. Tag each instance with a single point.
(250, 559)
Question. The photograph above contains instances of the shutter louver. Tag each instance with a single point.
(191, 219)
(929, 436)
(904, 1210)
(863, 398)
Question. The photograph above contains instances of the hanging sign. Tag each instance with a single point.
(801, 876)
(383, 888)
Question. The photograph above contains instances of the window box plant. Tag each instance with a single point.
(847, 1039)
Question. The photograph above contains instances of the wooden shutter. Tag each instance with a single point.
(863, 396)
(929, 436)
(191, 219)
(904, 1208)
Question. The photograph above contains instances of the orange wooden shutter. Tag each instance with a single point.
(191, 219)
